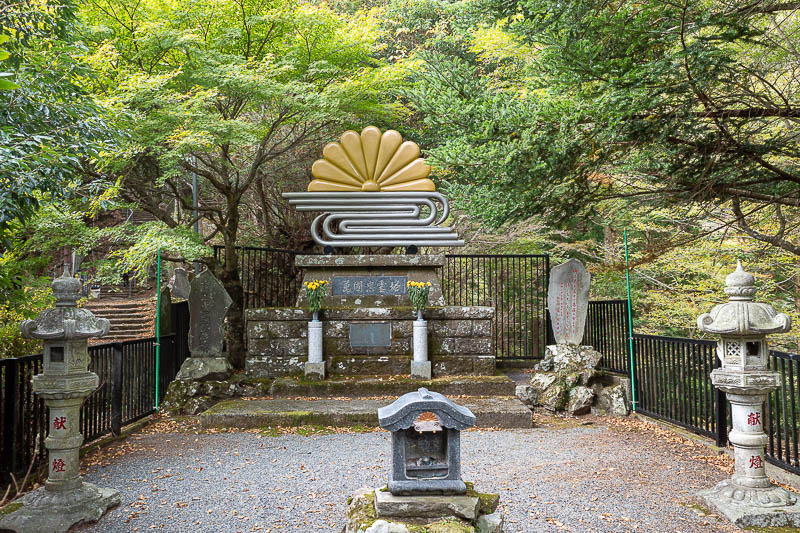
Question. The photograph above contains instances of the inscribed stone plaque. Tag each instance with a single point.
(372, 334)
(208, 305)
(369, 285)
(568, 300)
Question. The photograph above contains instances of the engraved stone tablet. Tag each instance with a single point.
(369, 285)
(568, 301)
(372, 334)
(208, 305)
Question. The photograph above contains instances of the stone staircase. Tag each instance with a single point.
(130, 319)
(354, 401)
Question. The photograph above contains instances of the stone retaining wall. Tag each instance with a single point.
(460, 341)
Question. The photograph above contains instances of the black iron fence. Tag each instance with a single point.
(607, 331)
(781, 415)
(126, 393)
(516, 286)
(269, 276)
(673, 383)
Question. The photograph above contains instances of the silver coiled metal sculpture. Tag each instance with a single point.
(377, 218)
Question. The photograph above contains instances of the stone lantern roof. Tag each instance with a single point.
(741, 315)
(65, 321)
(402, 413)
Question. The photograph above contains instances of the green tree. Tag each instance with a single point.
(557, 105)
(51, 128)
(227, 91)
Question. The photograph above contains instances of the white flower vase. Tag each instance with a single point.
(420, 366)
(315, 366)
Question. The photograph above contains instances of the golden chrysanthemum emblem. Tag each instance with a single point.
(371, 162)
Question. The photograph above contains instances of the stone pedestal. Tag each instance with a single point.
(420, 366)
(370, 280)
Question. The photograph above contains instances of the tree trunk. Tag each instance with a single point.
(230, 278)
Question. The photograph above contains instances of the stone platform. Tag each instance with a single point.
(500, 412)
(460, 341)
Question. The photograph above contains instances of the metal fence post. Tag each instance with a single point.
(722, 419)
(116, 389)
(10, 452)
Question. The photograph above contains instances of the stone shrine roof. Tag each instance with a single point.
(65, 321)
(741, 315)
(402, 413)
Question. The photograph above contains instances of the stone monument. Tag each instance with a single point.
(64, 383)
(372, 189)
(425, 485)
(208, 305)
(165, 312)
(565, 378)
(748, 498)
(179, 284)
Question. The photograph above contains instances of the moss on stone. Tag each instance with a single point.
(10, 508)
(450, 525)
(488, 502)
(361, 512)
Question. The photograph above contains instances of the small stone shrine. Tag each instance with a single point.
(425, 485)
(426, 454)
(373, 190)
(64, 383)
(568, 378)
(748, 498)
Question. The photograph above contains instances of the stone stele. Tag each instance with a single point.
(179, 284)
(568, 301)
(208, 305)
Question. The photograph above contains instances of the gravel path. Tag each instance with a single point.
(607, 476)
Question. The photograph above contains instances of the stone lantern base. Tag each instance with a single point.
(47, 511)
(753, 507)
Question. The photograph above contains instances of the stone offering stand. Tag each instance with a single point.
(367, 322)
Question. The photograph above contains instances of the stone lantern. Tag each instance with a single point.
(64, 383)
(747, 498)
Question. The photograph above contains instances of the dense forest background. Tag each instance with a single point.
(552, 126)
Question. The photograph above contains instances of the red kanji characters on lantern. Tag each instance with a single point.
(755, 461)
(753, 419)
(60, 422)
(58, 465)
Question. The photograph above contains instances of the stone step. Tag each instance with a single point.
(367, 386)
(500, 412)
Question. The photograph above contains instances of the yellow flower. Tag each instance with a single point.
(429, 284)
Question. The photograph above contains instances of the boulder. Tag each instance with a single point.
(382, 526)
(554, 397)
(580, 400)
(490, 523)
(205, 369)
(612, 401)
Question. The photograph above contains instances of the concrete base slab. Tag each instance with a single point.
(420, 370)
(502, 412)
(750, 508)
(314, 370)
(389, 505)
(44, 511)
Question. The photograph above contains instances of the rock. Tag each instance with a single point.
(218, 389)
(612, 401)
(197, 405)
(205, 369)
(360, 510)
(554, 397)
(580, 400)
(433, 506)
(490, 523)
(382, 526)
(179, 284)
(525, 394)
